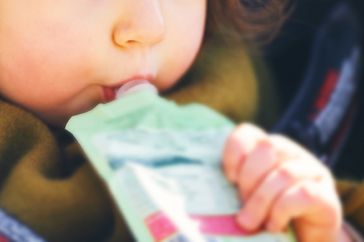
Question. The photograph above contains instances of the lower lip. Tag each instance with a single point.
(109, 94)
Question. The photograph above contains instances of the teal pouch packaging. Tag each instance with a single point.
(162, 165)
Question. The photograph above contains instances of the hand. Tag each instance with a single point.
(280, 182)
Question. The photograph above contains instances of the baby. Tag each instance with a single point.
(62, 58)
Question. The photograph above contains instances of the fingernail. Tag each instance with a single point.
(245, 220)
(232, 159)
(265, 148)
(232, 176)
(271, 227)
(227, 171)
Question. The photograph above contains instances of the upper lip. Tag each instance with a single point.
(109, 92)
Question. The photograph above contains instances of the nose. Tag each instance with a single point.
(141, 23)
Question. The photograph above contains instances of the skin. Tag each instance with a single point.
(56, 57)
(281, 183)
(59, 58)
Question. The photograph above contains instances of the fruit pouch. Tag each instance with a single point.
(162, 164)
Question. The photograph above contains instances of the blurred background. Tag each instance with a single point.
(289, 57)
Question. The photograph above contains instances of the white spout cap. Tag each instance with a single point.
(134, 86)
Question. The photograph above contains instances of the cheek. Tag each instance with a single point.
(181, 48)
(39, 62)
(178, 62)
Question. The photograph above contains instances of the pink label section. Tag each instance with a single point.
(223, 225)
(161, 227)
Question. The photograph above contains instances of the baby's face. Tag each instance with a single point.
(61, 58)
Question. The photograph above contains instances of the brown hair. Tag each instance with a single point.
(252, 20)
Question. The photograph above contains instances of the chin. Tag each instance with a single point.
(58, 119)
(55, 121)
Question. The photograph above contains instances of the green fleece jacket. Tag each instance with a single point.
(46, 182)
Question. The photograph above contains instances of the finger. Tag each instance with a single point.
(293, 152)
(268, 155)
(293, 203)
(238, 145)
(258, 206)
(257, 165)
(311, 201)
(288, 149)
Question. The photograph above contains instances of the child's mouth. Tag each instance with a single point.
(109, 94)
(135, 85)
(112, 93)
